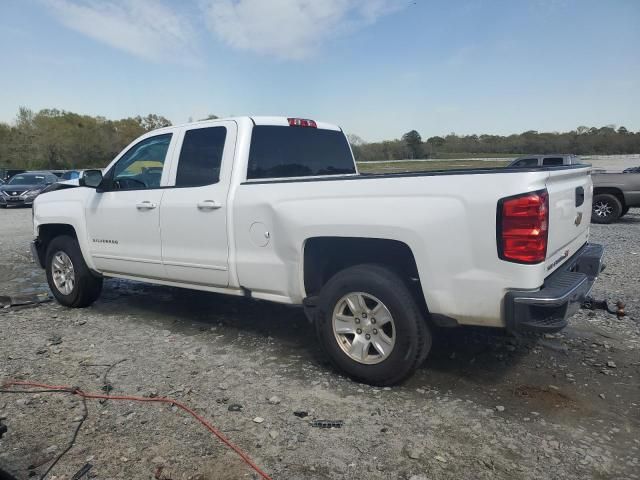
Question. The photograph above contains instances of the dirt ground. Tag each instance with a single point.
(483, 406)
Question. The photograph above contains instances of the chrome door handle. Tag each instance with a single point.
(209, 205)
(146, 205)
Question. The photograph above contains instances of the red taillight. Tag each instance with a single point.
(523, 227)
(301, 122)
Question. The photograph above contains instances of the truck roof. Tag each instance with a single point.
(280, 121)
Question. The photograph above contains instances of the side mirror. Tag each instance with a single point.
(91, 179)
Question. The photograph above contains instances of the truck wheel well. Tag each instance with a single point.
(48, 232)
(616, 192)
(326, 256)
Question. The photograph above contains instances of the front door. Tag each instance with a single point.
(193, 214)
(123, 222)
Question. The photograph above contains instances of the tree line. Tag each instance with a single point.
(606, 140)
(57, 139)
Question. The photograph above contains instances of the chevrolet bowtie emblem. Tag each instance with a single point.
(578, 219)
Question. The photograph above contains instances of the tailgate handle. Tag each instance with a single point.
(579, 196)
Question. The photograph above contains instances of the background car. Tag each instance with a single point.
(23, 188)
(631, 170)
(70, 175)
(613, 195)
(545, 160)
(7, 173)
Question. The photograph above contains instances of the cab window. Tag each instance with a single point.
(526, 162)
(141, 166)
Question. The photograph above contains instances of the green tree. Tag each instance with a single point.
(153, 121)
(413, 140)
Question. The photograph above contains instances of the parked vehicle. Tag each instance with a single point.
(71, 175)
(23, 188)
(273, 208)
(7, 173)
(631, 170)
(613, 195)
(545, 160)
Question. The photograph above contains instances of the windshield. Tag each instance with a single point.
(26, 179)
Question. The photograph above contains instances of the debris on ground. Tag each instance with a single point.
(327, 423)
(24, 300)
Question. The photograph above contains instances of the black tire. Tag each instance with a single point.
(87, 286)
(625, 210)
(606, 208)
(412, 335)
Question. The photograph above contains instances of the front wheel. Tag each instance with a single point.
(370, 325)
(69, 278)
(606, 208)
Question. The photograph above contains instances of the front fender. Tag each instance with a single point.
(65, 207)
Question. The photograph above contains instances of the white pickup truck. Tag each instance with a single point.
(274, 208)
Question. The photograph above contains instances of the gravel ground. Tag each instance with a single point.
(484, 405)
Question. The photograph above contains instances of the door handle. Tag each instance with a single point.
(209, 205)
(146, 205)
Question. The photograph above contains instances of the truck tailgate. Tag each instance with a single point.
(570, 194)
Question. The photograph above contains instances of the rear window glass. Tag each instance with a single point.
(200, 157)
(281, 152)
(550, 161)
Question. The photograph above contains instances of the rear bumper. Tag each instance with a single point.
(548, 309)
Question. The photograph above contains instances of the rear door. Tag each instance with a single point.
(570, 192)
(194, 210)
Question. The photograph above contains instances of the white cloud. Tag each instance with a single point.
(290, 29)
(144, 28)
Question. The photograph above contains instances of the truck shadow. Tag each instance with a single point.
(191, 312)
(482, 356)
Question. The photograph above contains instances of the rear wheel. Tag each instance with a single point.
(606, 208)
(370, 325)
(69, 278)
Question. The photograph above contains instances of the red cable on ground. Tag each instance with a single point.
(94, 396)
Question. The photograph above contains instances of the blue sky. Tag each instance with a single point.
(377, 67)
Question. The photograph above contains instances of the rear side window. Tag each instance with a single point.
(281, 152)
(201, 156)
(552, 161)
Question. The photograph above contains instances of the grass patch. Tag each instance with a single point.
(445, 156)
(428, 165)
